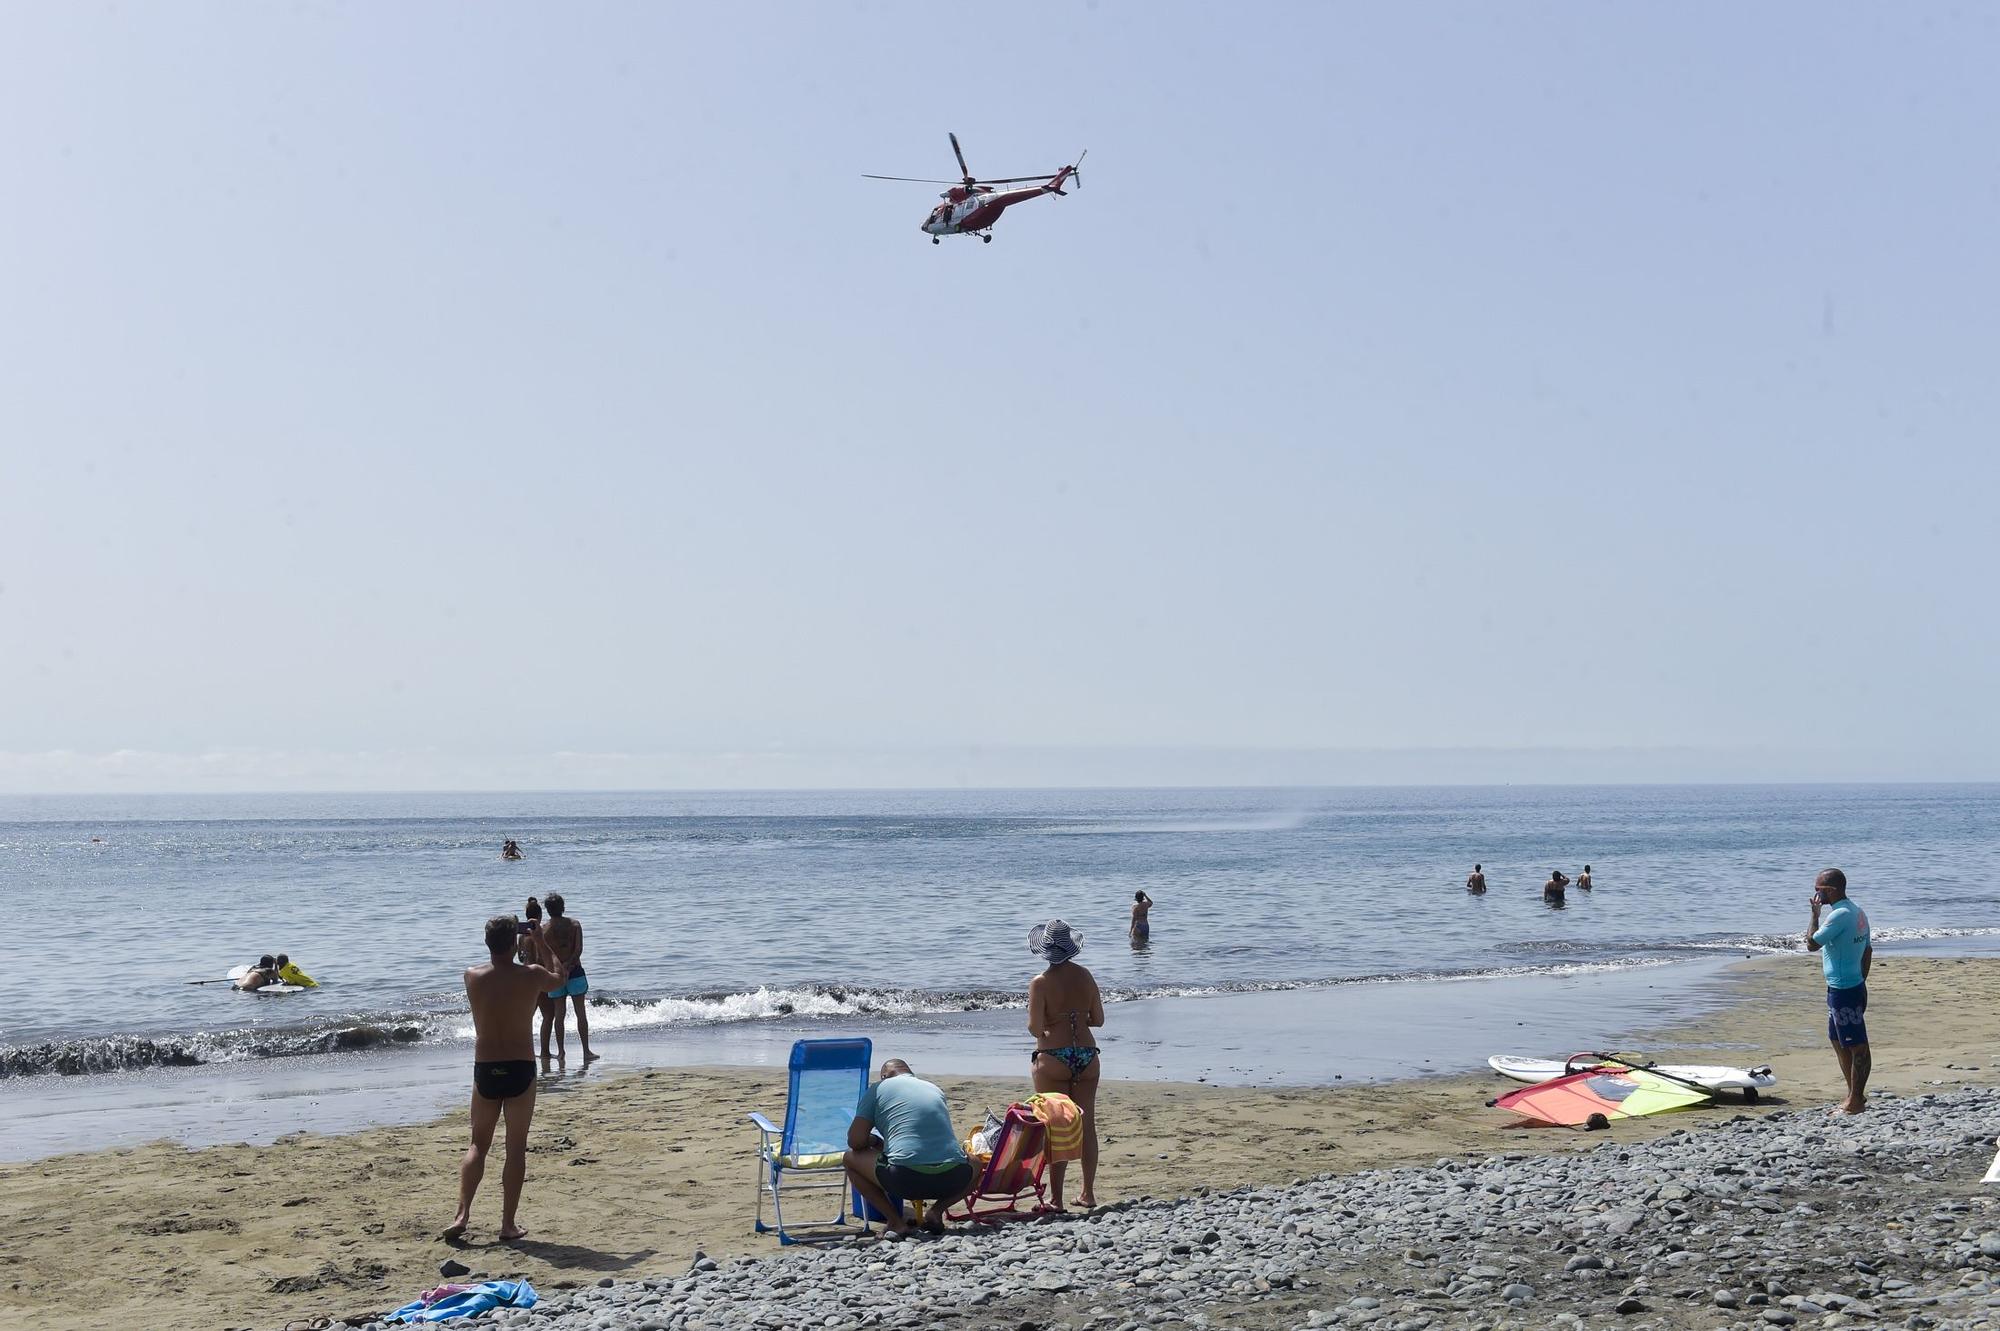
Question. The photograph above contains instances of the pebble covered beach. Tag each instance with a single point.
(1793, 1218)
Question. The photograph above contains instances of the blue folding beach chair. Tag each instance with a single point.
(828, 1078)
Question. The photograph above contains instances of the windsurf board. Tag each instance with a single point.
(1713, 1078)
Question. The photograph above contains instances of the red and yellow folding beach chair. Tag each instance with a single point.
(1013, 1173)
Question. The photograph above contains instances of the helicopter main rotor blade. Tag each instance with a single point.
(960, 156)
(1012, 180)
(914, 180)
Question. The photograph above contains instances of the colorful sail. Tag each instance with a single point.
(1601, 1094)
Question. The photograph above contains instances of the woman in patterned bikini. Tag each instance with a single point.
(1063, 1008)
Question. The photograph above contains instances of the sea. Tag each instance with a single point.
(863, 910)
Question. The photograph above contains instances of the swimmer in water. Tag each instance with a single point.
(1475, 882)
(1142, 928)
(1583, 879)
(263, 973)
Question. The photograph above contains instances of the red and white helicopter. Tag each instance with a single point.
(971, 206)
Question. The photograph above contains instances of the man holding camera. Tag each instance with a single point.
(503, 995)
(1846, 955)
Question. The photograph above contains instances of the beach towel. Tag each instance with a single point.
(430, 1296)
(1064, 1121)
(468, 1302)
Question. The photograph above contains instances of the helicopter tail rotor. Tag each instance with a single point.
(1069, 175)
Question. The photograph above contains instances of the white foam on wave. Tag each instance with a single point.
(1784, 944)
(1893, 934)
(765, 1003)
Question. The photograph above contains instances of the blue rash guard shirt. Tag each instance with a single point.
(1842, 937)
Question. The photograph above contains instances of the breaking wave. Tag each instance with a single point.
(129, 1053)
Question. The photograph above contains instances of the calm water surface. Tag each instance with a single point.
(722, 907)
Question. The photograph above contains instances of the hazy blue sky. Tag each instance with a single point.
(537, 395)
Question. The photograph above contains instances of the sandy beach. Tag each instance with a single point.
(629, 1176)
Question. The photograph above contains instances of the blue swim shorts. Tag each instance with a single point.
(577, 986)
(1844, 1009)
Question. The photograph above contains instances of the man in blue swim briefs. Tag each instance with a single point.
(565, 936)
(918, 1158)
(1846, 954)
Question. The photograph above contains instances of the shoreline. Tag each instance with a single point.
(1292, 1037)
(632, 1175)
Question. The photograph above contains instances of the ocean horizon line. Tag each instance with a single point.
(222, 771)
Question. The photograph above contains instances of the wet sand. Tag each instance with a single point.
(631, 1174)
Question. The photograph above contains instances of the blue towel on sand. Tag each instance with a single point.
(469, 1303)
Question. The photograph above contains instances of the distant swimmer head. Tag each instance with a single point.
(554, 902)
(1140, 896)
(283, 961)
(1054, 942)
(266, 962)
(1477, 869)
(501, 931)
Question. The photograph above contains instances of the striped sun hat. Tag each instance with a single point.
(1054, 942)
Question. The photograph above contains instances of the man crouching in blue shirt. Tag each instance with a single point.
(1846, 954)
(918, 1157)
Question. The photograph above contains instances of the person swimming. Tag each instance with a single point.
(1065, 1005)
(263, 973)
(1552, 891)
(1142, 928)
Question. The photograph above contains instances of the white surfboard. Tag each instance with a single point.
(238, 972)
(1746, 1080)
(1993, 1174)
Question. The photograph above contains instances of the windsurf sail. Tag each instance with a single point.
(1601, 1095)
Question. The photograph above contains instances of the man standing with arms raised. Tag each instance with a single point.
(1846, 954)
(504, 996)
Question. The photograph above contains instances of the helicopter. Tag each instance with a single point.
(972, 206)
